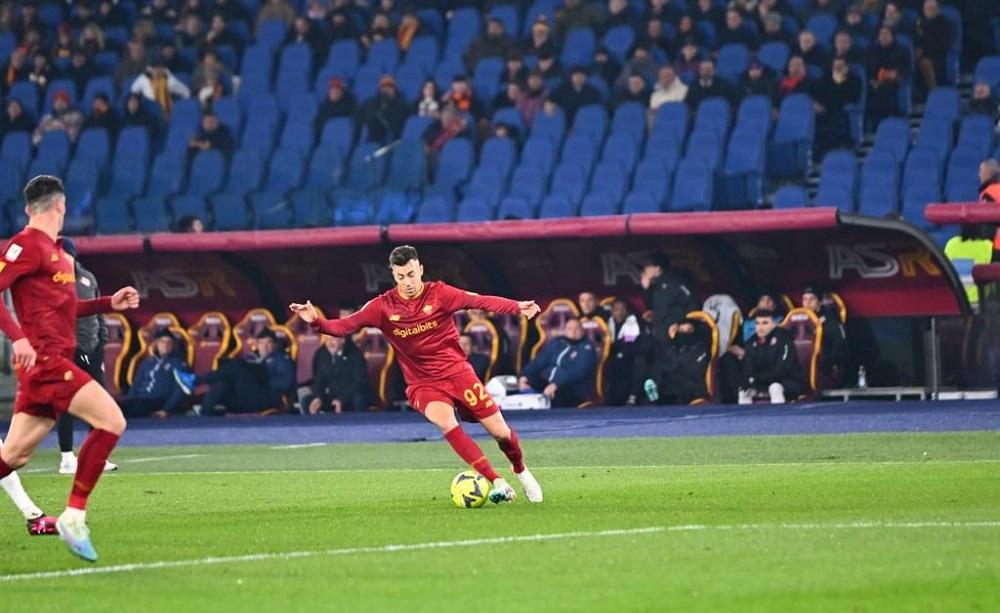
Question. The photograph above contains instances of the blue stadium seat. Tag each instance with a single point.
(580, 151)
(611, 181)
(454, 166)
(879, 168)
(432, 20)
(500, 153)
(551, 127)
(195, 206)
(592, 121)
(515, 207)
(486, 78)
(693, 187)
(230, 115)
(151, 214)
(423, 54)
(672, 117)
(364, 172)
(17, 149)
(132, 144)
(508, 16)
(977, 133)
(538, 152)
(569, 181)
(774, 55)
(743, 173)
(705, 144)
(208, 169)
(579, 48)
(621, 150)
(54, 149)
(416, 126)
(915, 200)
(128, 177)
(435, 209)
(344, 58)
(384, 55)
(988, 69)
(823, 26)
(326, 168)
(410, 80)
(95, 86)
(338, 133)
(245, 172)
(396, 207)
(57, 85)
(165, 178)
(653, 181)
(618, 41)
(82, 183)
(962, 181)
(353, 210)
(112, 216)
(936, 135)
(462, 29)
(878, 199)
(300, 108)
(639, 203)
(297, 137)
(837, 196)
(530, 183)
(449, 68)
(486, 183)
(294, 68)
(271, 33)
(555, 206)
(789, 152)
(598, 204)
(310, 209)
(893, 136)
(408, 166)
(474, 208)
(94, 144)
(229, 212)
(755, 112)
(630, 118)
(943, 104)
(366, 81)
(25, 92)
(11, 179)
(259, 136)
(733, 62)
(790, 197)
(663, 148)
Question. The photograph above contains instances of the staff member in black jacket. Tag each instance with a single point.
(340, 378)
(771, 364)
(833, 357)
(667, 293)
(91, 336)
(679, 373)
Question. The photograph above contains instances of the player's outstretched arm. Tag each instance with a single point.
(461, 299)
(369, 315)
(124, 299)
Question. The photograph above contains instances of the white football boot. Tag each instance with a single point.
(532, 490)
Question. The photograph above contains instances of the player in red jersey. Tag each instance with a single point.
(416, 317)
(49, 383)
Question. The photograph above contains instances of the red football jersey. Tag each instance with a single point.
(422, 329)
(41, 278)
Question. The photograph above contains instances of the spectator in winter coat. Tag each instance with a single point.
(933, 40)
(629, 339)
(494, 43)
(668, 88)
(888, 64)
(564, 369)
(62, 117)
(384, 113)
(679, 371)
(771, 365)
(575, 94)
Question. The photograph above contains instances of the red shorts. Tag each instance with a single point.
(464, 391)
(47, 389)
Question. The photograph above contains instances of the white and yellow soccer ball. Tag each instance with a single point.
(469, 490)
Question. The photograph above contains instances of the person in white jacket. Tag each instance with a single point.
(158, 84)
(668, 88)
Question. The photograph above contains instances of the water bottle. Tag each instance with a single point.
(862, 379)
(651, 392)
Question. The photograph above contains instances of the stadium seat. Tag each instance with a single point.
(598, 204)
(743, 173)
(454, 166)
(408, 166)
(977, 133)
(229, 212)
(639, 203)
(339, 134)
(663, 148)
(166, 176)
(462, 29)
(25, 92)
(672, 117)
(791, 146)
(988, 69)
(530, 183)
(610, 181)
(116, 350)
(618, 40)
(310, 208)
(486, 78)
(755, 112)
(705, 145)
(961, 184)
(17, 148)
(435, 209)
(943, 105)
(94, 144)
(936, 136)
(112, 216)
(151, 214)
(353, 209)
(557, 206)
(415, 127)
(805, 329)
(270, 205)
(423, 54)
(652, 180)
(499, 153)
(325, 171)
(538, 152)
(591, 121)
(297, 138)
(923, 167)
(208, 170)
(916, 197)
(364, 171)
(551, 127)
(893, 136)
(189, 206)
(396, 207)
(838, 178)
(630, 119)
(54, 149)
(579, 48)
(732, 62)
(693, 187)
(823, 26)
(486, 183)
(132, 144)
(245, 172)
(474, 208)
(344, 58)
(581, 152)
(571, 182)
(878, 200)
(790, 197)
(515, 207)
(95, 86)
(774, 55)
(82, 183)
(836, 196)
(210, 337)
(128, 177)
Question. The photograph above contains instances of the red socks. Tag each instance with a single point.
(4, 469)
(512, 449)
(468, 450)
(90, 464)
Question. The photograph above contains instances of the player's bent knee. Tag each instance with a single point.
(13, 457)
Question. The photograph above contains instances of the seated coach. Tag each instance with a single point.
(564, 369)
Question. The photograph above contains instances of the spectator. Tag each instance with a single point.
(264, 381)
(62, 117)
(480, 363)
(635, 91)
(823, 7)
(618, 14)
(933, 40)
(540, 40)
(304, 33)
(428, 105)
(795, 81)
(854, 23)
(92, 40)
(340, 378)
(514, 70)
(989, 181)
(667, 11)
(17, 68)
(212, 80)
(686, 31)
(102, 116)
(576, 14)
(892, 18)
(218, 34)
(707, 86)
(461, 96)
(79, 70)
(576, 93)
(133, 64)
(772, 30)
(450, 125)
(41, 72)
(771, 364)
(688, 60)
(641, 64)
(736, 32)
(15, 119)
(629, 339)
(384, 113)
(317, 12)
(190, 224)
(342, 26)
(678, 374)
(495, 43)
(137, 115)
(189, 32)
(589, 308)
(564, 369)
(65, 45)
(109, 14)
(606, 66)
(549, 66)
(196, 8)
(843, 48)
(707, 10)
(833, 357)
(231, 10)
(380, 29)
(212, 135)
(667, 294)
(810, 52)
(982, 101)
(759, 81)
(338, 103)
(408, 29)
(159, 85)
(531, 98)
(887, 65)
(654, 38)
(173, 60)
(276, 9)
(837, 90)
(668, 88)
(160, 12)
(154, 392)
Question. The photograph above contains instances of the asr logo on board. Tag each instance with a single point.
(63, 277)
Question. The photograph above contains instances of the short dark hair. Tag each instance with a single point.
(267, 333)
(401, 255)
(763, 313)
(39, 190)
(658, 258)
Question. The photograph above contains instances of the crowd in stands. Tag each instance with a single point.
(471, 70)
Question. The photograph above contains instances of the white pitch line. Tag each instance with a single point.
(163, 457)
(299, 446)
(398, 548)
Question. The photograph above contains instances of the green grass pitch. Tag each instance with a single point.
(811, 523)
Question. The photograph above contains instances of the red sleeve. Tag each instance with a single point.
(85, 308)
(369, 315)
(19, 259)
(458, 299)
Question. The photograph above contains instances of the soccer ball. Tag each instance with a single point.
(469, 490)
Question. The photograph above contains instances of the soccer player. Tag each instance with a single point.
(49, 383)
(38, 522)
(416, 317)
